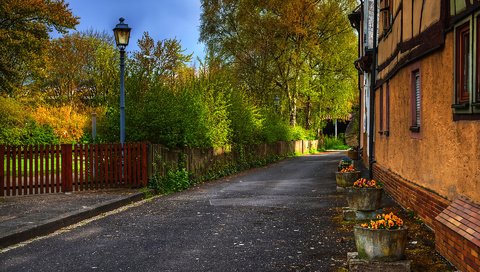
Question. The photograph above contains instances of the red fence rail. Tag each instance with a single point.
(63, 168)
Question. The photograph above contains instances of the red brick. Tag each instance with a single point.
(471, 269)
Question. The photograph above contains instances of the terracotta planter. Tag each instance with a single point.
(352, 154)
(364, 199)
(346, 179)
(380, 244)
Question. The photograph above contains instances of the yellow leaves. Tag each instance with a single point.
(67, 124)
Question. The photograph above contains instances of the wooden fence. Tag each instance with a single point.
(64, 168)
(45, 169)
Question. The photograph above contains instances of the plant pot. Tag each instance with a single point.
(381, 244)
(346, 179)
(364, 199)
(352, 154)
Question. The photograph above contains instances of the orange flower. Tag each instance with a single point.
(384, 221)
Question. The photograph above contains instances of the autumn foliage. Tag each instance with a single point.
(68, 124)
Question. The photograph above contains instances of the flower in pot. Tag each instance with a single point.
(344, 162)
(352, 153)
(346, 176)
(365, 195)
(381, 239)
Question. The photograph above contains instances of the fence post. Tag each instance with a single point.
(66, 168)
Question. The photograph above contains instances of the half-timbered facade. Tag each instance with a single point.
(427, 116)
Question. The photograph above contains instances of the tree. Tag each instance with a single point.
(282, 46)
(162, 62)
(81, 69)
(24, 33)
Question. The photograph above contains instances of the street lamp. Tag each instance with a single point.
(276, 102)
(122, 36)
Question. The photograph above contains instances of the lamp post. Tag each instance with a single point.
(122, 36)
(276, 102)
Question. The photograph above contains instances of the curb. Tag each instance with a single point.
(67, 219)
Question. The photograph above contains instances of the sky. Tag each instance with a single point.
(162, 19)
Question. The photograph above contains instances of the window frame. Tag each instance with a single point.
(415, 112)
(462, 61)
(476, 69)
(466, 105)
(387, 110)
(381, 111)
(386, 9)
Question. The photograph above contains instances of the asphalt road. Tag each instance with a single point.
(276, 218)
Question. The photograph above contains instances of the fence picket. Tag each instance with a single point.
(35, 170)
(51, 167)
(30, 169)
(134, 165)
(125, 164)
(24, 171)
(144, 164)
(18, 181)
(41, 190)
(15, 172)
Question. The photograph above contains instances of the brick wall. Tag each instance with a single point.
(457, 234)
(424, 202)
(456, 224)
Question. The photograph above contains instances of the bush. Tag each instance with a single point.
(275, 129)
(18, 128)
(174, 181)
(332, 143)
(67, 123)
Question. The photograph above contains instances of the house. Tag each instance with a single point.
(421, 136)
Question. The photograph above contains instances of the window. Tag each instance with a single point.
(384, 110)
(415, 101)
(387, 110)
(381, 112)
(477, 57)
(466, 98)
(462, 52)
(386, 9)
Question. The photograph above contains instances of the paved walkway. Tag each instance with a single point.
(24, 217)
(277, 218)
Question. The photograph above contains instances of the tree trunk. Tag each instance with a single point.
(307, 114)
(293, 112)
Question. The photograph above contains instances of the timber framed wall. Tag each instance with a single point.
(433, 169)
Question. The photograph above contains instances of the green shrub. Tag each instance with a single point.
(332, 143)
(18, 128)
(174, 181)
(275, 129)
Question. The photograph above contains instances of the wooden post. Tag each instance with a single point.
(66, 168)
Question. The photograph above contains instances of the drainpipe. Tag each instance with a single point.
(360, 46)
(371, 132)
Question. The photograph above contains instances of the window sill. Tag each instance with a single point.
(385, 133)
(466, 117)
(460, 106)
(415, 129)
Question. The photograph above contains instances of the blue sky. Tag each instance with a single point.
(161, 18)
